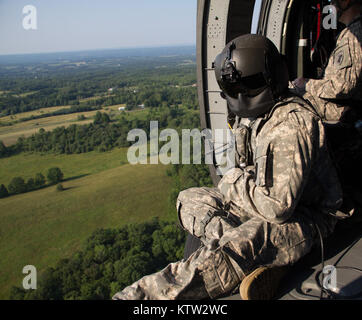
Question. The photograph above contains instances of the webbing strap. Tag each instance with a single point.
(230, 218)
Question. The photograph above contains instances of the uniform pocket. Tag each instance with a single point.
(229, 179)
(292, 240)
(218, 274)
(242, 145)
(263, 166)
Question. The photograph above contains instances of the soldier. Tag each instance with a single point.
(337, 98)
(266, 212)
(338, 95)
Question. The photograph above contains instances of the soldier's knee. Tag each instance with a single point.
(200, 195)
(185, 197)
(186, 194)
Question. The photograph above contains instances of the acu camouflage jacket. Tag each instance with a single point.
(341, 86)
(288, 166)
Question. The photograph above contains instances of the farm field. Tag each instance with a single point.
(41, 227)
(26, 165)
(10, 134)
(38, 112)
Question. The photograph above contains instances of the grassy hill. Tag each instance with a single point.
(43, 226)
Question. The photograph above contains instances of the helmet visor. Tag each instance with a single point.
(248, 86)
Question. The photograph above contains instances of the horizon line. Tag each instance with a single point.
(99, 49)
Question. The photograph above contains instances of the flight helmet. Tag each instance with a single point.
(251, 74)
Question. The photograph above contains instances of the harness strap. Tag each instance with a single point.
(227, 216)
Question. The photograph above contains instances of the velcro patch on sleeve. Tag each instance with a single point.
(342, 57)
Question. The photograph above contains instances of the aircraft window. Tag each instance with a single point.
(256, 16)
(239, 18)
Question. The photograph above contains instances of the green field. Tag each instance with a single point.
(26, 165)
(41, 227)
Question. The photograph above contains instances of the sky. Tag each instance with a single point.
(72, 25)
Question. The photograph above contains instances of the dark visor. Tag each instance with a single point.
(250, 85)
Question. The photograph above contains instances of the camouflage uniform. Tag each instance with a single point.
(341, 85)
(338, 100)
(262, 213)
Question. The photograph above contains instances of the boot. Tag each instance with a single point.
(262, 283)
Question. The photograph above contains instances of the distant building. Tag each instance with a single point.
(122, 108)
(142, 106)
(110, 90)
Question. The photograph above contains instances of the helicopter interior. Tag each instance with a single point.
(296, 27)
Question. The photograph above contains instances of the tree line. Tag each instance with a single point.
(101, 135)
(19, 185)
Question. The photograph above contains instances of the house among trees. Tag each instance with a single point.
(121, 108)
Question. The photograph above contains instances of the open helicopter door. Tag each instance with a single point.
(218, 22)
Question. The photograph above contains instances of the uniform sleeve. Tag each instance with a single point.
(283, 162)
(341, 75)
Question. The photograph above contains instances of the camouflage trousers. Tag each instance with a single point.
(233, 246)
